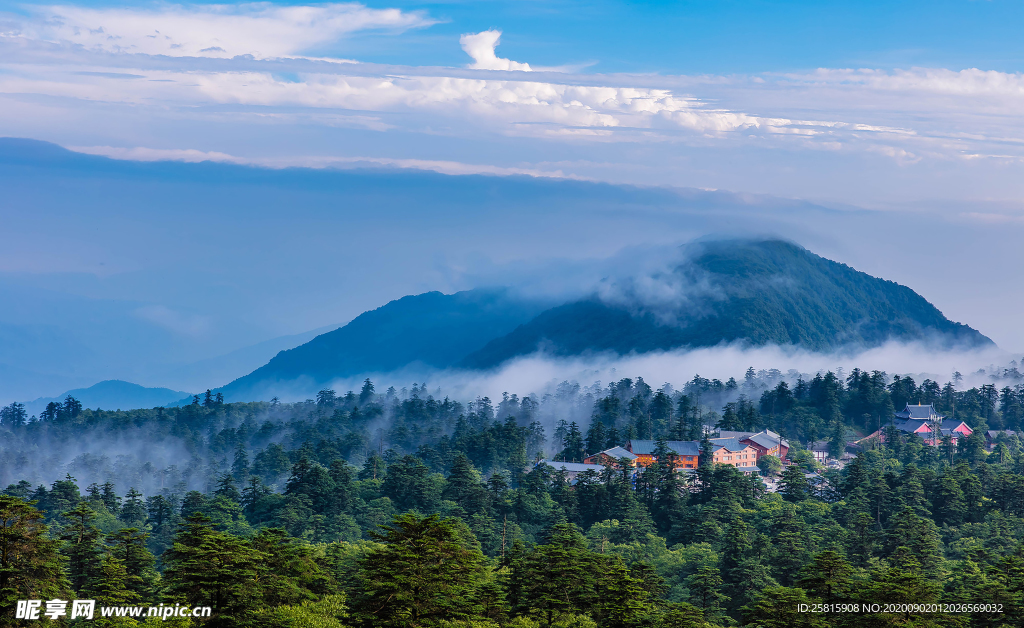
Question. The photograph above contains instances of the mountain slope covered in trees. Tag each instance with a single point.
(769, 292)
(432, 329)
(757, 292)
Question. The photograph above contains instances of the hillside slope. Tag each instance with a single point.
(758, 293)
(432, 329)
(768, 292)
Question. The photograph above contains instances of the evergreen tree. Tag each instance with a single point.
(109, 587)
(573, 450)
(779, 607)
(110, 498)
(133, 510)
(30, 566)
(206, 567)
(426, 570)
(794, 486)
(828, 577)
(705, 586)
(81, 546)
(619, 598)
(464, 486)
(128, 546)
(559, 577)
(288, 571)
(597, 436)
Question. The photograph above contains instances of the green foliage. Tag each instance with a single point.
(453, 526)
(426, 570)
(30, 567)
(206, 567)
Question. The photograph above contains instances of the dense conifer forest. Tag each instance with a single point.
(408, 508)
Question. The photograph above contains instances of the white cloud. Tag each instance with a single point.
(968, 82)
(532, 108)
(540, 374)
(901, 118)
(480, 46)
(259, 29)
(192, 155)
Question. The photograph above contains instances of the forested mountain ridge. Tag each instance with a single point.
(768, 292)
(754, 292)
(433, 329)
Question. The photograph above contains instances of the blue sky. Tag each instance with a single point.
(701, 36)
(887, 135)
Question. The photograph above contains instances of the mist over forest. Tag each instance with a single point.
(172, 450)
(319, 497)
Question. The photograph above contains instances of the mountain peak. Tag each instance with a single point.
(755, 292)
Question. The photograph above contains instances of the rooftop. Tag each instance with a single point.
(573, 467)
(616, 452)
(678, 447)
(919, 411)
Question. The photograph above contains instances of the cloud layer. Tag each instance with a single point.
(71, 73)
(258, 29)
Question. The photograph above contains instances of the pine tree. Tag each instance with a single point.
(560, 578)
(619, 598)
(464, 486)
(779, 607)
(288, 571)
(596, 437)
(110, 498)
(81, 546)
(227, 488)
(828, 577)
(794, 486)
(133, 510)
(128, 546)
(206, 567)
(705, 586)
(240, 465)
(110, 587)
(789, 546)
(573, 450)
(861, 539)
(426, 570)
(30, 566)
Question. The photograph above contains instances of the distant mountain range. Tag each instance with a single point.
(753, 292)
(112, 394)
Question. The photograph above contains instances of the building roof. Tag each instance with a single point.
(763, 440)
(914, 425)
(910, 425)
(679, 447)
(729, 444)
(919, 411)
(819, 445)
(736, 435)
(685, 447)
(994, 434)
(616, 452)
(573, 467)
(641, 447)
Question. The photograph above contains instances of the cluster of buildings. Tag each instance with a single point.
(738, 449)
(923, 420)
(743, 449)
